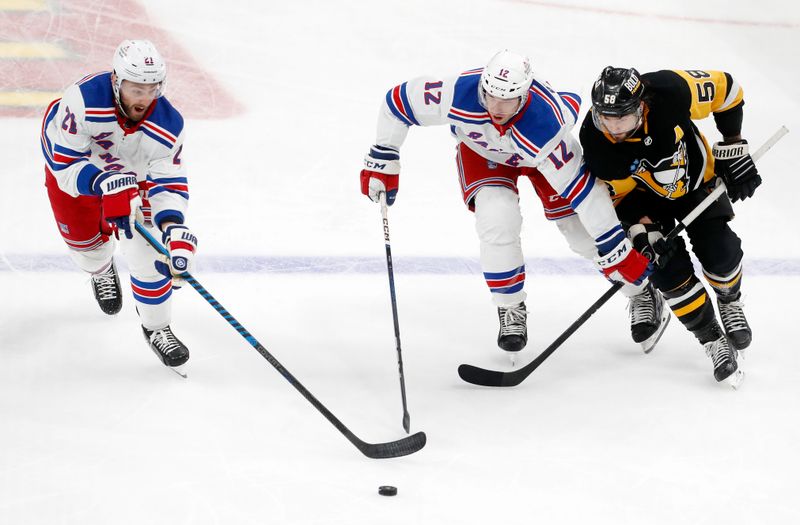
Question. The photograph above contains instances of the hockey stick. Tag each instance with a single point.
(390, 270)
(484, 377)
(392, 449)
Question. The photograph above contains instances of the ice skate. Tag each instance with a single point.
(735, 323)
(169, 349)
(513, 335)
(649, 317)
(724, 359)
(107, 290)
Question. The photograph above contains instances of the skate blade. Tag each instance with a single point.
(736, 379)
(512, 357)
(180, 370)
(651, 342)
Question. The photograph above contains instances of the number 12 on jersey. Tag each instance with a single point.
(565, 155)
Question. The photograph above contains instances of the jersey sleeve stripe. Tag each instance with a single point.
(85, 179)
(572, 101)
(100, 115)
(576, 184)
(469, 117)
(610, 239)
(734, 96)
(397, 100)
(577, 197)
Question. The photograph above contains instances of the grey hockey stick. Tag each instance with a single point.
(393, 295)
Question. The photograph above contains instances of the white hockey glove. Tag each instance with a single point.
(381, 173)
(181, 244)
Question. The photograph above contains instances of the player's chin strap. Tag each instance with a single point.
(483, 377)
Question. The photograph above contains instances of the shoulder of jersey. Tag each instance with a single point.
(98, 97)
(547, 113)
(165, 121)
(663, 82)
(466, 107)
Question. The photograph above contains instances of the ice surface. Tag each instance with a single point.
(281, 101)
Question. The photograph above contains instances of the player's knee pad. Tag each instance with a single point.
(93, 261)
(577, 237)
(497, 216)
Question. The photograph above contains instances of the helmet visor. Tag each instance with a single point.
(136, 91)
(618, 126)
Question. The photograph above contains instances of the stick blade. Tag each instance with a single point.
(394, 449)
(407, 423)
(483, 377)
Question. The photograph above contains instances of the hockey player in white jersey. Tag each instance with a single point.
(508, 124)
(112, 146)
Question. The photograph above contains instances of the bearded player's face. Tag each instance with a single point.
(135, 98)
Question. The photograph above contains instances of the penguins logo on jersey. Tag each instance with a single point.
(668, 177)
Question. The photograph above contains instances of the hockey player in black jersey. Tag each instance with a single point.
(639, 137)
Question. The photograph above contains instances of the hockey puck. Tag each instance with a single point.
(387, 490)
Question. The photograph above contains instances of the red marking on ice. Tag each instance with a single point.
(90, 38)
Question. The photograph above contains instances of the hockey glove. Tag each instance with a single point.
(120, 198)
(732, 162)
(381, 173)
(624, 264)
(648, 240)
(181, 244)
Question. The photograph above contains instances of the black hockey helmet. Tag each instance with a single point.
(617, 91)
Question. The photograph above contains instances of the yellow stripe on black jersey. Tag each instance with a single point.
(712, 91)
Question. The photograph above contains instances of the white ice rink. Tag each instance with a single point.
(94, 430)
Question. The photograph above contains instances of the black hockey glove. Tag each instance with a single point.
(650, 242)
(732, 162)
(665, 250)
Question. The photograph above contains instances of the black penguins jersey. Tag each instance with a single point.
(667, 155)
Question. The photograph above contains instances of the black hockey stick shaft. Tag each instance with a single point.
(481, 376)
(393, 295)
(401, 447)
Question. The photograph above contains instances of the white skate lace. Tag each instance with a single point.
(164, 340)
(106, 284)
(732, 315)
(512, 320)
(719, 352)
(642, 309)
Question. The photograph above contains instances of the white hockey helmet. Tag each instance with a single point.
(508, 75)
(138, 61)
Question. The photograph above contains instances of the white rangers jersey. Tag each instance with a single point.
(539, 136)
(82, 136)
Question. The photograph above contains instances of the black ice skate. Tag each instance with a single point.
(724, 358)
(513, 335)
(736, 327)
(167, 347)
(107, 290)
(649, 317)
